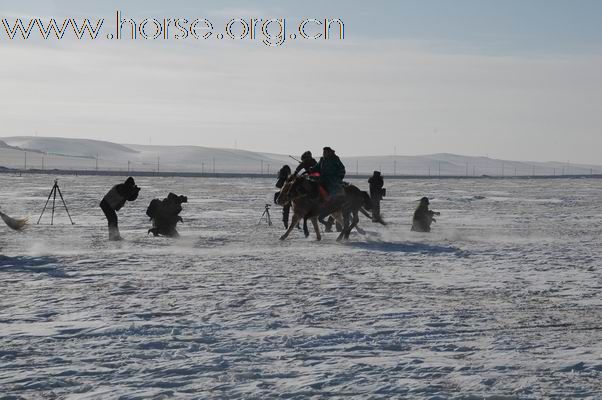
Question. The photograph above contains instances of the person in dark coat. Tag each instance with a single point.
(283, 175)
(114, 200)
(423, 217)
(165, 215)
(332, 172)
(376, 194)
(307, 163)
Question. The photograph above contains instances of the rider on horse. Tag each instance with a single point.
(332, 173)
(307, 163)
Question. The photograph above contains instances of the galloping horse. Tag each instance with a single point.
(304, 195)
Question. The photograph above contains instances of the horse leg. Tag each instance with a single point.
(314, 222)
(305, 229)
(365, 213)
(360, 230)
(291, 227)
(345, 226)
(354, 222)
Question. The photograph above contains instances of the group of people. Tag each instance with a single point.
(330, 172)
(164, 214)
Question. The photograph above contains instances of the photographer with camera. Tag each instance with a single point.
(114, 200)
(283, 175)
(376, 194)
(423, 217)
(165, 215)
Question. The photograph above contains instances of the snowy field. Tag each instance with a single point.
(503, 300)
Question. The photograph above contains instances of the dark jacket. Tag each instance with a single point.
(423, 218)
(119, 194)
(306, 164)
(332, 173)
(283, 174)
(376, 185)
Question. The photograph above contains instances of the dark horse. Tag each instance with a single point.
(304, 195)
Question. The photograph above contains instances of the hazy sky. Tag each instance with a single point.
(514, 79)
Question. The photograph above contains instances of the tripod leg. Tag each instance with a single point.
(45, 205)
(261, 218)
(269, 219)
(53, 202)
(65, 205)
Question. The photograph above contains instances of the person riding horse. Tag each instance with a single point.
(307, 202)
(332, 172)
(307, 163)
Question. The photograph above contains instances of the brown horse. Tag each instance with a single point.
(304, 194)
(304, 202)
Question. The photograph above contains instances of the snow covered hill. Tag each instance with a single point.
(86, 154)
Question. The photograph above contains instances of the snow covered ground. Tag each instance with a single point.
(501, 301)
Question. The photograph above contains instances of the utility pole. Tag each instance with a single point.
(42, 162)
(25, 161)
(96, 162)
(261, 167)
(357, 168)
(128, 166)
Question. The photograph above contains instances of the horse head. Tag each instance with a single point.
(295, 187)
(284, 197)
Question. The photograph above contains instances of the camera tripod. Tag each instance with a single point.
(53, 191)
(266, 216)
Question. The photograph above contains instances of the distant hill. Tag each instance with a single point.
(69, 147)
(63, 153)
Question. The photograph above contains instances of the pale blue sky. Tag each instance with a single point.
(514, 79)
(504, 26)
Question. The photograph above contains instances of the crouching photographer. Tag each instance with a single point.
(165, 215)
(114, 200)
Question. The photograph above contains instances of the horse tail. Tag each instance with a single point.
(367, 201)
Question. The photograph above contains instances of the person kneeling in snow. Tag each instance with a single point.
(114, 200)
(165, 215)
(423, 217)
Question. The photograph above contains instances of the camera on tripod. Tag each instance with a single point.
(266, 215)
